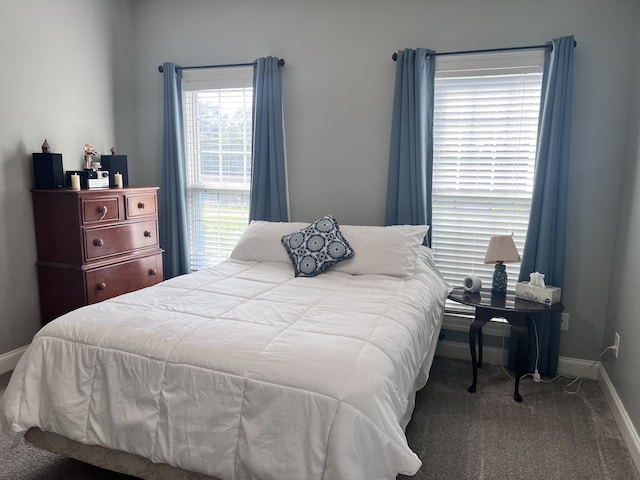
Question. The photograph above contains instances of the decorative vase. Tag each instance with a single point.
(499, 285)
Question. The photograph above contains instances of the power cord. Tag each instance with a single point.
(579, 379)
(536, 376)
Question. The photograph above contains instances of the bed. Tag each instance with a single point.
(250, 369)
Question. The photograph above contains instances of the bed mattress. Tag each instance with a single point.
(240, 371)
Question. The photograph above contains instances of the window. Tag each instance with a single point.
(485, 130)
(218, 125)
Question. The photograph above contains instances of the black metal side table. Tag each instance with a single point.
(514, 310)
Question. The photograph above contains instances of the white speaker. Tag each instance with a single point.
(472, 284)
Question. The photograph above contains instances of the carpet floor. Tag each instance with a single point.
(551, 435)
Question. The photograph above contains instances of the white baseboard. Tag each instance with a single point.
(629, 433)
(571, 367)
(9, 360)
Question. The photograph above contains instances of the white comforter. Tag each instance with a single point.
(240, 371)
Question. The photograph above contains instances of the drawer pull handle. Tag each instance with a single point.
(103, 210)
(101, 286)
(152, 272)
(141, 205)
(98, 242)
(147, 233)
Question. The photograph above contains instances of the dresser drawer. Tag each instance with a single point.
(116, 239)
(101, 209)
(140, 205)
(114, 280)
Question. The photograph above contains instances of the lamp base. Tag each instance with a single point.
(499, 284)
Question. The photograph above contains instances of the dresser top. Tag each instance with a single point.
(92, 191)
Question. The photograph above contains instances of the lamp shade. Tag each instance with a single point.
(502, 249)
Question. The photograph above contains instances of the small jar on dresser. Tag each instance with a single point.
(93, 245)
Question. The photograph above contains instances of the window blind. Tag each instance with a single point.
(485, 129)
(218, 124)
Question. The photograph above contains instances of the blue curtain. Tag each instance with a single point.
(174, 230)
(411, 151)
(269, 196)
(544, 249)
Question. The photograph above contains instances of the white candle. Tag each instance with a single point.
(75, 181)
(117, 178)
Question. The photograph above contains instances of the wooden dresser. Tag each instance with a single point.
(93, 245)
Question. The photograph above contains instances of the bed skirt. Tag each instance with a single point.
(114, 460)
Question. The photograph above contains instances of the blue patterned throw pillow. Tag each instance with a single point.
(317, 247)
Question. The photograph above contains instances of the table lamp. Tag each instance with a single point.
(501, 250)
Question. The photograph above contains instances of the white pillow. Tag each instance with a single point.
(261, 241)
(391, 250)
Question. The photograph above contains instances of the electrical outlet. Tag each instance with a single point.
(564, 321)
(616, 345)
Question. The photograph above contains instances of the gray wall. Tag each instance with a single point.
(61, 76)
(338, 85)
(58, 68)
(623, 314)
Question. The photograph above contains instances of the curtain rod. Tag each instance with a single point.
(490, 50)
(229, 65)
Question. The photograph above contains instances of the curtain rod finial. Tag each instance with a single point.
(160, 68)
(394, 56)
(281, 62)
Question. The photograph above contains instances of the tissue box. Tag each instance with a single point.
(547, 295)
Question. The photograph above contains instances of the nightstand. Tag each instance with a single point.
(515, 310)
